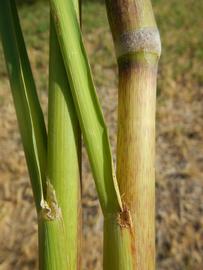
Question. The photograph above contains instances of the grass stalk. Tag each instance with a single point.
(53, 253)
(138, 48)
(62, 234)
(28, 110)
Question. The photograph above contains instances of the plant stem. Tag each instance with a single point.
(64, 162)
(117, 248)
(137, 47)
(53, 253)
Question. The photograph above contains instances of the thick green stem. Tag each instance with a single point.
(137, 45)
(64, 158)
(53, 244)
(118, 242)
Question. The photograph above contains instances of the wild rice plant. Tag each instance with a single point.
(54, 160)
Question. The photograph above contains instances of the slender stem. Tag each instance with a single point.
(52, 245)
(64, 162)
(137, 47)
(53, 253)
(118, 242)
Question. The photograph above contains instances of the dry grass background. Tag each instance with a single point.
(179, 162)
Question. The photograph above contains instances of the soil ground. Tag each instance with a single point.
(179, 160)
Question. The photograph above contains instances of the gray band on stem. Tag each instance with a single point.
(141, 40)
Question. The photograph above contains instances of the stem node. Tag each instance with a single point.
(146, 39)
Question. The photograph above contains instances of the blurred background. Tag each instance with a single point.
(179, 160)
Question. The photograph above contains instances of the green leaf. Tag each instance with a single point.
(86, 103)
(28, 110)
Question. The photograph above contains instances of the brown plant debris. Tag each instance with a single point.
(124, 218)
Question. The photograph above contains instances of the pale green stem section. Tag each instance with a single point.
(117, 256)
(86, 103)
(51, 243)
(53, 253)
(63, 166)
(28, 110)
